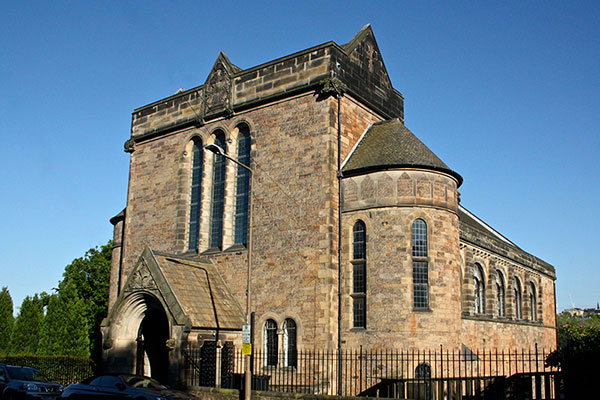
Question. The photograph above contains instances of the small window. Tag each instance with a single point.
(270, 343)
(419, 238)
(533, 302)
(423, 371)
(517, 299)
(479, 286)
(289, 343)
(218, 195)
(359, 275)
(420, 265)
(500, 294)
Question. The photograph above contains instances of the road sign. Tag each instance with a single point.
(246, 349)
(246, 337)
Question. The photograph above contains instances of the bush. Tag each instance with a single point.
(577, 356)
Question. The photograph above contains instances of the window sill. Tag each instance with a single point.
(212, 250)
(422, 310)
(236, 247)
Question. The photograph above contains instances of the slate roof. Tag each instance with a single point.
(468, 218)
(389, 144)
(474, 230)
(201, 292)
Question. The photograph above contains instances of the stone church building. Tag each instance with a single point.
(358, 234)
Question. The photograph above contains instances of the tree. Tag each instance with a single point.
(90, 277)
(65, 329)
(25, 334)
(6, 320)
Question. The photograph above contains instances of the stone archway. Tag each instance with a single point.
(152, 355)
(138, 337)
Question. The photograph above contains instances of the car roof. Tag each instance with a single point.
(19, 366)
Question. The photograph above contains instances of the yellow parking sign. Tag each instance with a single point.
(246, 349)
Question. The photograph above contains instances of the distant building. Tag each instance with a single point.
(577, 312)
(417, 269)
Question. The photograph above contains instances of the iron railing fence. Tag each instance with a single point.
(61, 369)
(416, 374)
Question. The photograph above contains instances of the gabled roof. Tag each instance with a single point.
(357, 65)
(389, 144)
(223, 62)
(203, 294)
(193, 291)
(365, 37)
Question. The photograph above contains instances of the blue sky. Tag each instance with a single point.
(506, 93)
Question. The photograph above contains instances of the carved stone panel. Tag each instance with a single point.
(217, 92)
(142, 279)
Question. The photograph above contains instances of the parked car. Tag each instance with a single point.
(26, 383)
(122, 386)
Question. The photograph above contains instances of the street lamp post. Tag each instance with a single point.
(216, 149)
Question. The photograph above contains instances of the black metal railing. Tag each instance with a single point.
(60, 369)
(432, 374)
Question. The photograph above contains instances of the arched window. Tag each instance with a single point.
(533, 301)
(423, 371)
(289, 343)
(196, 194)
(359, 275)
(518, 298)
(420, 265)
(500, 294)
(479, 285)
(270, 337)
(218, 195)
(242, 194)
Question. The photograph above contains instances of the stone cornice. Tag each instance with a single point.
(514, 257)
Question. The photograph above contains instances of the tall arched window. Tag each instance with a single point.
(533, 301)
(500, 294)
(196, 193)
(270, 337)
(218, 195)
(420, 265)
(289, 343)
(242, 187)
(479, 285)
(518, 298)
(359, 275)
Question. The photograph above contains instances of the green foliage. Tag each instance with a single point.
(6, 320)
(90, 276)
(65, 328)
(578, 352)
(73, 315)
(25, 334)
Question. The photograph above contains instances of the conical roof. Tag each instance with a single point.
(389, 144)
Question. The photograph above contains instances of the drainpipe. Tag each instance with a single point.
(339, 250)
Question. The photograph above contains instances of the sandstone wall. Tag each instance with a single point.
(479, 334)
(293, 258)
(389, 202)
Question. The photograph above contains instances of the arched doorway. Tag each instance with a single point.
(152, 355)
(139, 331)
